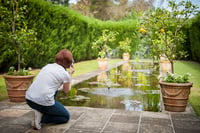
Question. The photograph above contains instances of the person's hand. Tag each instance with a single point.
(71, 70)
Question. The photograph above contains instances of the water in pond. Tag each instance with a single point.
(132, 86)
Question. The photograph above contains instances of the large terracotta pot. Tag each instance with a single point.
(175, 95)
(126, 56)
(17, 86)
(165, 66)
(103, 63)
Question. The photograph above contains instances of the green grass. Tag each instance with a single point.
(182, 67)
(3, 92)
(88, 66)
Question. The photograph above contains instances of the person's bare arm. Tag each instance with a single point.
(67, 86)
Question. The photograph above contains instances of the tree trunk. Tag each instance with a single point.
(19, 58)
(172, 66)
(15, 13)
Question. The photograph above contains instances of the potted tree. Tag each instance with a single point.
(162, 29)
(126, 48)
(164, 34)
(17, 81)
(102, 44)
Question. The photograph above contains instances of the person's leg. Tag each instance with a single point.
(36, 123)
(55, 114)
(51, 114)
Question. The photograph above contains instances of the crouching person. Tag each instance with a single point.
(40, 96)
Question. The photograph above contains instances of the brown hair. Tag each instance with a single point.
(64, 58)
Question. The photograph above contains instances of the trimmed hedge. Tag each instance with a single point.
(59, 27)
(194, 32)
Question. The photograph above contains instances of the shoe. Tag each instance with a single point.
(36, 123)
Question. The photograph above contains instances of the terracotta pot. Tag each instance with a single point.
(126, 56)
(175, 95)
(103, 63)
(165, 66)
(17, 86)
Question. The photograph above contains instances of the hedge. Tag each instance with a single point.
(194, 32)
(60, 27)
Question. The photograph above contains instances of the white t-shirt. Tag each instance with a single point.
(43, 89)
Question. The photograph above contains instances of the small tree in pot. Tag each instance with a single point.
(162, 29)
(102, 44)
(19, 36)
(163, 32)
(126, 48)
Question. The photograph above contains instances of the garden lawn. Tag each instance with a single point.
(182, 67)
(88, 66)
(3, 91)
(80, 68)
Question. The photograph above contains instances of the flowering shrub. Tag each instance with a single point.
(172, 78)
(21, 72)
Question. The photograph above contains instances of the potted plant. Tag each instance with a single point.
(126, 48)
(17, 83)
(102, 44)
(175, 91)
(162, 31)
(19, 36)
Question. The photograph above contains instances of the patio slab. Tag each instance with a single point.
(18, 117)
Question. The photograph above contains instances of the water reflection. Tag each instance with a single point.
(132, 86)
(113, 92)
(132, 105)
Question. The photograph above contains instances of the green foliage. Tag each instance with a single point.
(58, 27)
(103, 43)
(15, 31)
(163, 28)
(189, 66)
(172, 78)
(125, 45)
(60, 2)
(21, 72)
(194, 32)
(72, 92)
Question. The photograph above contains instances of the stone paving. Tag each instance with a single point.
(17, 118)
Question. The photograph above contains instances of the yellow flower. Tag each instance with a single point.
(142, 30)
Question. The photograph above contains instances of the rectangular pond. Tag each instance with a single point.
(131, 86)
